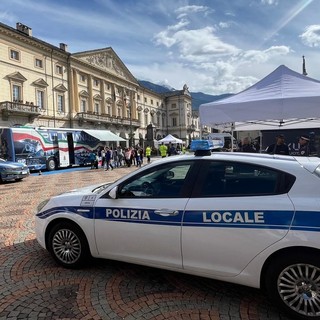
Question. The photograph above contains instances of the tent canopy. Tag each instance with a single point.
(170, 139)
(103, 135)
(283, 94)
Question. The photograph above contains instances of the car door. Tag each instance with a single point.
(237, 211)
(143, 223)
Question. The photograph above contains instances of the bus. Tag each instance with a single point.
(51, 148)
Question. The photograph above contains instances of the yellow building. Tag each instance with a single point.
(45, 85)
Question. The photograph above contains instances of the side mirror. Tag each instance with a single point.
(113, 192)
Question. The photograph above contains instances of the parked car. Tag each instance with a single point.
(251, 219)
(10, 170)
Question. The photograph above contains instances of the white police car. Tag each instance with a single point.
(251, 219)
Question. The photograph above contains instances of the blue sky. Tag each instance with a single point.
(213, 46)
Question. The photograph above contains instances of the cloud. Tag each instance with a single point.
(261, 56)
(311, 36)
(270, 2)
(195, 45)
(184, 11)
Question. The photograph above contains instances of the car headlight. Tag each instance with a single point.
(41, 205)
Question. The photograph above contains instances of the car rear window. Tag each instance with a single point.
(241, 179)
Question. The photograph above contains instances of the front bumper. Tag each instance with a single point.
(14, 175)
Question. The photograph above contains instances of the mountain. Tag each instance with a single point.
(197, 97)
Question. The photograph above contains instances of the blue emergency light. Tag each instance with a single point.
(204, 147)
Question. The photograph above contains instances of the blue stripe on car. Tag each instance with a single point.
(303, 220)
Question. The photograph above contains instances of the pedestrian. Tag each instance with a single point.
(103, 157)
(305, 148)
(108, 163)
(148, 153)
(120, 156)
(92, 159)
(127, 157)
(163, 150)
(279, 147)
(246, 145)
(137, 157)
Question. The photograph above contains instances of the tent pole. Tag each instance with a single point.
(232, 129)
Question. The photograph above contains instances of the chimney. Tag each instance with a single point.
(64, 47)
(24, 29)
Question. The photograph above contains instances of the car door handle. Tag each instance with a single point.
(167, 212)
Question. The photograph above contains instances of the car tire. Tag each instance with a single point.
(51, 164)
(68, 245)
(293, 283)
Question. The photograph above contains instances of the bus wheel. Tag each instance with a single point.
(51, 164)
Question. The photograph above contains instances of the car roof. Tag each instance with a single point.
(277, 161)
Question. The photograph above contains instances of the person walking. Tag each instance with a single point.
(148, 153)
(279, 147)
(163, 150)
(108, 163)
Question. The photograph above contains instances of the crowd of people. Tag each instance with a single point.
(279, 146)
(110, 158)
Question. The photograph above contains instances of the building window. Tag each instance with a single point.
(40, 98)
(145, 100)
(157, 103)
(83, 105)
(158, 120)
(119, 112)
(59, 69)
(151, 101)
(60, 99)
(39, 63)
(138, 96)
(174, 122)
(82, 78)
(173, 105)
(96, 107)
(163, 121)
(108, 86)
(14, 55)
(146, 119)
(96, 82)
(16, 93)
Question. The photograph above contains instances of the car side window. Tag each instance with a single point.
(159, 182)
(241, 179)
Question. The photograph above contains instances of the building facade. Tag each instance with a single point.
(45, 85)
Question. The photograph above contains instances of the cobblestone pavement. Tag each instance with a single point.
(32, 286)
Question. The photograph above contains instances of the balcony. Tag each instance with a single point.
(18, 108)
(103, 118)
(191, 128)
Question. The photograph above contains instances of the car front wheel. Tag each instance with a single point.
(68, 245)
(294, 284)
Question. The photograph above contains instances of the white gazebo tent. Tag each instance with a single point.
(282, 97)
(170, 139)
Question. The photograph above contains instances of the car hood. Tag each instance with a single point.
(96, 189)
(12, 165)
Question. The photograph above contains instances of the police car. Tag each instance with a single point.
(251, 219)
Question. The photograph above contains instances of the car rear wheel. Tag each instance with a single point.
(294, 284)
(68, 245)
